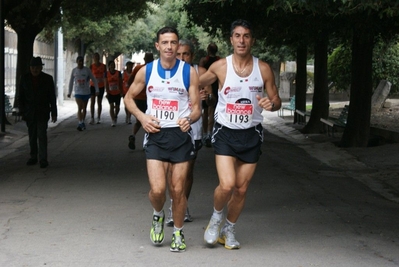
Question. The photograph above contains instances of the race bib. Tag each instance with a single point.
(100, 80)
(165, 109)
(81, 83)
(113, 86)
(239, 113)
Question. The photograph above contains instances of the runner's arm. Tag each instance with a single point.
(149, 123)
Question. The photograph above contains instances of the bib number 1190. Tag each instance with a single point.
(165, 109)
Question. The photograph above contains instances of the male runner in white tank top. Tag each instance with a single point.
(170, 84)
(238, 133)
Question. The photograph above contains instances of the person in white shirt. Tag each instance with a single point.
(80, 84)
(171, 87)
(246, 88)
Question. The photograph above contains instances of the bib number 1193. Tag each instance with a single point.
(239, 113)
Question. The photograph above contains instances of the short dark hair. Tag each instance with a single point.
(240, 22)
(79, 58)
(167, 30)
(148, 57)
(110, 62)
(212, 48)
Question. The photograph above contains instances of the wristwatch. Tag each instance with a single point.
(272, 106)
(188, 119)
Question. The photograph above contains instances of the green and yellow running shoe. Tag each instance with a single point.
(156, 233)
(178, 243)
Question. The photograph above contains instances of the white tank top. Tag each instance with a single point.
(167, 99)
(237, 106)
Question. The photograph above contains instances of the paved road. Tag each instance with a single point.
(90, 206)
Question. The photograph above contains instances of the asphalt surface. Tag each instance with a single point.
(309, 203)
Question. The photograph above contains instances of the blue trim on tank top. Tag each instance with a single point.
(161, 72)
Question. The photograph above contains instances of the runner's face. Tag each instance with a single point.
(183, 53)
(111, 67)
(80, 63)
(96, 58)
(167, 45)
(242, 40)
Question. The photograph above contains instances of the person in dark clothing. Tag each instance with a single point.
(210, 103)
(36, 101)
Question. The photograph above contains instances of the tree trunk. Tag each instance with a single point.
(357, 130)
(320, 103)
(300, 81)
(26, 38)
(28, 18)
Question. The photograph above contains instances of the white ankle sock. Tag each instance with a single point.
(159, 213)
(228, 223)
(217, 214)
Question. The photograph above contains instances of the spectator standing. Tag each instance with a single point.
(238, 133)
(170, 85)
(36, 101)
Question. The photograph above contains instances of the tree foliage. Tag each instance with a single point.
(385, 65)
(29, 17)
(106, 27)
(339, 67)
(172, 13)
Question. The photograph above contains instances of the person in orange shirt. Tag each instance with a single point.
(140, 99)
(113, 85)
(126, 76)
(99, 71)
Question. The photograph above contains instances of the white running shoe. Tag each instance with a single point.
(211, 234)
(227, 237)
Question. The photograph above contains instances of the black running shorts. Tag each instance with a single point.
(244, 145)
(170, 145)
(93, 91)
(114, 99)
